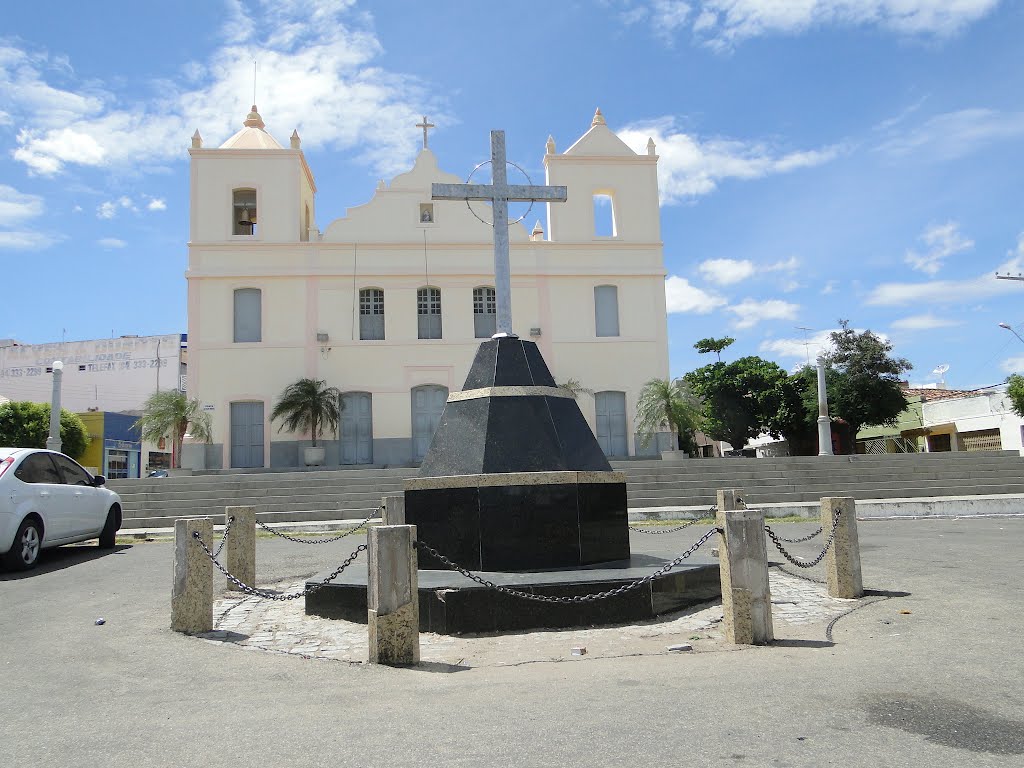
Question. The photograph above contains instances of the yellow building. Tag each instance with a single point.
(390, 301)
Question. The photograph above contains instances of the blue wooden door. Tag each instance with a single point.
(357, 428)
(611, 423)
(247, 434)
(427, 406)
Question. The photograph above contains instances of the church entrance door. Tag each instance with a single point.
(611, 422)
(247, 434)
(427, 406)
(357, 428)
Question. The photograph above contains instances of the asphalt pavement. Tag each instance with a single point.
(927, 671)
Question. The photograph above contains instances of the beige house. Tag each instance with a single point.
(390, 301)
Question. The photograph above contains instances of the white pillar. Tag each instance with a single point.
(53, 442)
(743, 565)
(393, 615)
(824, 423)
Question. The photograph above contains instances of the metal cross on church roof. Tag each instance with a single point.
(426, 127)
(499, 192)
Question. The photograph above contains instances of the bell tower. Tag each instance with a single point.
(251, 189)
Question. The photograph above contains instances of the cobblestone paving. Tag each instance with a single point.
(283, 627)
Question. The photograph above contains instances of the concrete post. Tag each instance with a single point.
(824, 422)
(842, 563)
(743, 564)
(192, 592)
(394, 509)
(53, 441)
(241, 545)
(393, 614)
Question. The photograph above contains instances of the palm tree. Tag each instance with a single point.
(170, 412)
(574, 388)
(663, 403)
(310, 405)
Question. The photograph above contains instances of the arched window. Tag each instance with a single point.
(248, 311)
(484, 313)
(371, 313)
(243, 212)
(428, 312)
(606, 310)
(604, 216)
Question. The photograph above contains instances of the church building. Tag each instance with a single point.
(389, 302)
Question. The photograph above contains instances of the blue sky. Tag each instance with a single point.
(820, 159)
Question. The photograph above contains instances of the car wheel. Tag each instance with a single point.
(109, 533)
(24, 553)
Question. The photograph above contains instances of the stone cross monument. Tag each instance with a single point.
(500, 193)
(514, 479)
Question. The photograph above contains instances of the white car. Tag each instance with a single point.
(48, 499)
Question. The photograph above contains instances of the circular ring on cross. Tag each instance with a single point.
(529, 182)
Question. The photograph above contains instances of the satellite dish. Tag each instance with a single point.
(941, 369)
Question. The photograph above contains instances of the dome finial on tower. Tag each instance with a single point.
(598, 118)
(651, 149)
(253, 119)
(550, 146)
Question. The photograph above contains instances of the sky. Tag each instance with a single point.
(819, 159)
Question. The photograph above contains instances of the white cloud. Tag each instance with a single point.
(690, 166)
(1013, 365)
(799, 349)
(27, 240)
(955, 134)
(318, 72)
(157, 204)
(750, 312)
(942, 241)
(680, 296)
(110, 208)
(726, 271)
(724, 23)
(953, 291)
(110, 243)
(17, 206)
(925, 322)
(829, 287)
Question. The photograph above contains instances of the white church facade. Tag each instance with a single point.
(389, 302)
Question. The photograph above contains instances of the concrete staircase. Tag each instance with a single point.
(353, 494)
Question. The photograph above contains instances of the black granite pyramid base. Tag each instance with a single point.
(514, 479)
(451, 604)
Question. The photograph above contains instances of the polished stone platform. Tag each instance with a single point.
(451, 604)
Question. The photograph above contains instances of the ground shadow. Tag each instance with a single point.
(438, 666)
(58, 558)
(789, 643)
(885, 593)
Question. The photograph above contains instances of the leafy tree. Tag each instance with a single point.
(170, 412)
(744, 398)
(663, 403)
(713, 345)
(27, 425)
(310, 405)
(574, 388)
(1016, 393)
(866, 392)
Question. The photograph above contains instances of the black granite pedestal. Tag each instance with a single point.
(451, 604)
(514, 479)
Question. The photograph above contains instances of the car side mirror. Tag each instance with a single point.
(99, 480)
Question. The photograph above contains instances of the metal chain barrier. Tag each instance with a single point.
(797, 561)
(328, 540)
(687, 524)
(243, 587)
(802, 539)
(575, 599)
(223, 541)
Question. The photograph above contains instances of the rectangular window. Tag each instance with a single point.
(484, 313)
(371, 314)
(428, 313)
(604, 216)
(606, 310)
(248, 315)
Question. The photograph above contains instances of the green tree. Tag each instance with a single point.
(27, 425)
(170, 412)
(865, 389)
(310, 405)
(1015, 390)
(713, 345)
(744, 398)
(672, 404)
